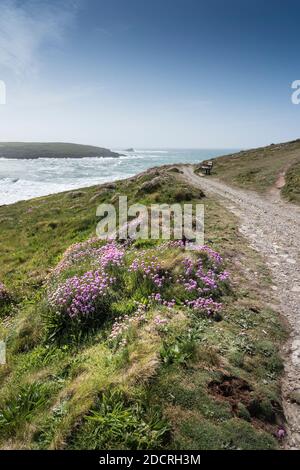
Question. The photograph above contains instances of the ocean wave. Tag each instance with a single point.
(152, 151)
(20, 190)
(8, 180)
(132, 157)
(26, 179)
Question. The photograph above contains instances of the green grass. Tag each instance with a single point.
(157, 390)
(258, 169)
(115, 424)
(20, 407)
(291, 189)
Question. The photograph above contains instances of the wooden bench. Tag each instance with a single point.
(206, 168)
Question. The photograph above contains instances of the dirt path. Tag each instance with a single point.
(275, 192)
(273, 229)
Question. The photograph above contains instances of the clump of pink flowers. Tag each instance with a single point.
(206, 305)
(110, 255)
(79, 296)
(213, 255)
(122, 324)
(281, 433)
(93, 249)
(159, 321)
(197, 277)
(158, 298)
(150, 268)
(196, 281)
(74, 254)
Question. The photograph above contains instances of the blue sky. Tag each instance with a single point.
(141, 73)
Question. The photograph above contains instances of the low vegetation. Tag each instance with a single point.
(136, 345)
(291, 189)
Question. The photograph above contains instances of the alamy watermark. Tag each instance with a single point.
(157, 221)
(2, 92)
(296, 94)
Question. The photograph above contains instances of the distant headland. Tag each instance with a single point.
(35, 150)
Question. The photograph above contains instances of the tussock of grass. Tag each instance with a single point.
(115, 423)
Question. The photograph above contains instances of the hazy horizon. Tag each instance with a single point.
(171, 74)
(120, 148)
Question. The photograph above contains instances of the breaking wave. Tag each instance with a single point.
(26, 179)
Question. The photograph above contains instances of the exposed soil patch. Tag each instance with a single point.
(232, 389)
(245, 404)
(280, 181)
(275, 192)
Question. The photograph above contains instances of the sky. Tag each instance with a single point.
(150, 74)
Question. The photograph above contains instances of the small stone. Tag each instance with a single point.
(75, 194)
(110, 186)
(295, 397)
(296, 288)
(152, 185)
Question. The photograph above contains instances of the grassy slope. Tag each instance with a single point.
(259, 168)
(181, 399)
(291, 189)
(51, 150)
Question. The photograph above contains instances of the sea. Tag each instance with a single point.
(27, 179)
